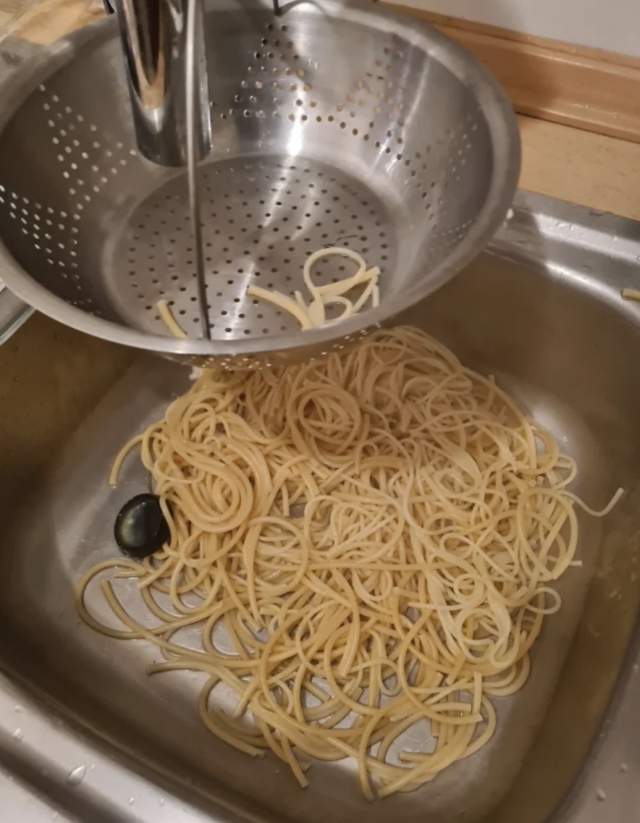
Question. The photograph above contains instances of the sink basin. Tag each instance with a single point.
(84, 732)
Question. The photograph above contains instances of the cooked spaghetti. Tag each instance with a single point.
(376, 532)
(314, 313)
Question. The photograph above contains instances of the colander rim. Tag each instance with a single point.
(505, 141)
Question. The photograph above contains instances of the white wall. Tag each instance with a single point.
(606, 24)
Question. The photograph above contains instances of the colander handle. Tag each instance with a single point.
(13, 311)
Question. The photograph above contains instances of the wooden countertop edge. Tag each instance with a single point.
(586, 88)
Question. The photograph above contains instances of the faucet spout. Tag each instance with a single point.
(154, 38)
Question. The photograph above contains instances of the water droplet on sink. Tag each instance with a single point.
(92, 767)
(624, 768)
(75, 776)
(601, 795)
(18, 734)
(162, 801)
(132, 800)
(18, 708)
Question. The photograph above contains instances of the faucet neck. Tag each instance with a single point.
(154, 38)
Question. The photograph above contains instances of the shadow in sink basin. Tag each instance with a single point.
(565, 355)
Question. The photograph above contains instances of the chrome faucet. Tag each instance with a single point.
(156, 49)
(157, 55)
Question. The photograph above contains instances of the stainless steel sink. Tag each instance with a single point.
(84, 733)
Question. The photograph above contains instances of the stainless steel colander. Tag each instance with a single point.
(333, 124)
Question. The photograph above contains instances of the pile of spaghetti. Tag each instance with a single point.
(376, 532)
